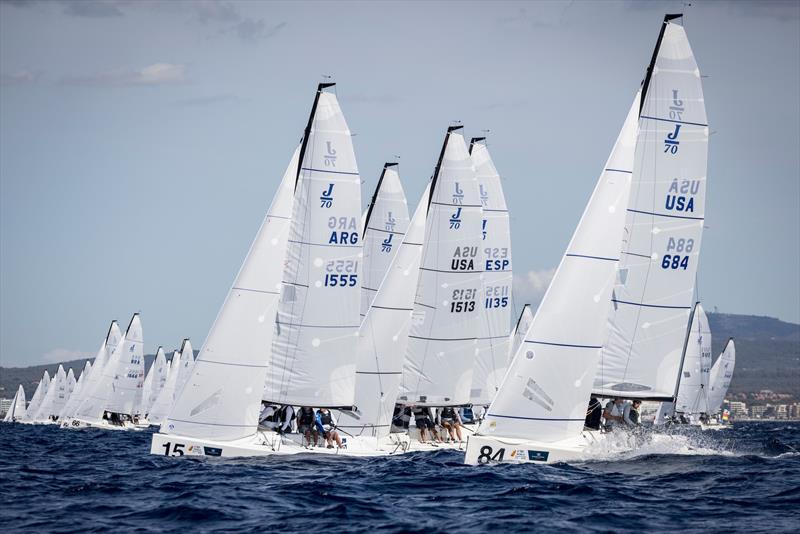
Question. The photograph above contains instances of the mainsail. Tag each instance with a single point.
(77, 393)
(156, 377)
(222, 397)
(38, 397)
(495, 320)
(693, 386)
(444, 331)
(124, 372)
(166, 398)
(385, 224)
(721, 375)
(652, 298)
(54, 398)
(545, 392)
(383, 336)
(17, 409)
(314, 354)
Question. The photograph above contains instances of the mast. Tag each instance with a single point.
(435, 178)
(683, 353)
(375, 193)
(310, 123)
(651, 66)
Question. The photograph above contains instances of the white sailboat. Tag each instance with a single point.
(38, 397)
(720, 378)
(520, 329)
(17, 409)
(653, 296)
(77, 394)
(385, 223)
(538, 413)
(54, 398)
(165, 400)
(153, 382)
(692, 401)
(495, 320)
(444, 336)
(91, 406)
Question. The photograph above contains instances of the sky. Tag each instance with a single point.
(141, 142)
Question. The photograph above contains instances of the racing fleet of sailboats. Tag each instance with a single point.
(393, 312)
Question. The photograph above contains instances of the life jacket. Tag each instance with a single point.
(633, 415)
(305, 417)
(325, 418)
(447, 413)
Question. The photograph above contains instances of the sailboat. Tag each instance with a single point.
(90, 405)
(17, 409)
(692, 402)
(539, 410)
(76, 395)
(179, 372)
(491, 359)
(153, 383)
(38, 397)
(54, 399)
(719, 382)
(115, 396)
(385, 223)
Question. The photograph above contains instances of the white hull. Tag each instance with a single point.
(268, 443)
(78, 424)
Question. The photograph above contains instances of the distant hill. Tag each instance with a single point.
(767, 356)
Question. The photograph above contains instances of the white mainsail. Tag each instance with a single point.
(383, 336)
(94, 400)
(721, 375)
(313, 358)
(124, 372)
(38, 397)
(385, 224)
(545, 392)
(154, 381)
(17, 409)
(222, 398)
(652, 298)
(518, 335)
(77, 393)
(443, 339)
(495, 320)
(54, 399)
(693, 386)
(185, 367)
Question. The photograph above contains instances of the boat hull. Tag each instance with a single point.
(485, 449)
(78, 424)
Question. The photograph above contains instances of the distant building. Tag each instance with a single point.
(5, 404)
(738, 410)
(781, 412)
(758, 412)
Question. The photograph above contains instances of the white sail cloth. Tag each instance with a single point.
(93, 404)
(383, 336)
(546, 390)
(385, 224)
(38, 397)
(124, 374)
(313, 359)
(54, 398)
(154, 381)
(720, 377)
(16, 410)
(653, 296)
(443, 340)
(222, 398)
(167, 396)
(693, 389)
(495, 320)
(77, 394)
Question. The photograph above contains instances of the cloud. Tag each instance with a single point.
(20, 77)
(530, 286)
(252, 30)
(92, 8)
(211, 11)
(155, 74)
(206, 100)
(65, 355)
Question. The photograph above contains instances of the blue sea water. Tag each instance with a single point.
(744, 479)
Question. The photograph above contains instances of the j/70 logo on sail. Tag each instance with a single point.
(386, 245)
(455, 220)
(330, 156)
(326, 200)
(390, 222)
(458, 195)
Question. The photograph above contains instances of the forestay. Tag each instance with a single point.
(314, 354)
(124, 373)
(520, 329)
(495, 320)
(693, 389)
(720, 379)
(222, 398)
(546, 390)
(443, 339)
(383, 336)
(385, 224)
(93, 404)
(653, 296)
